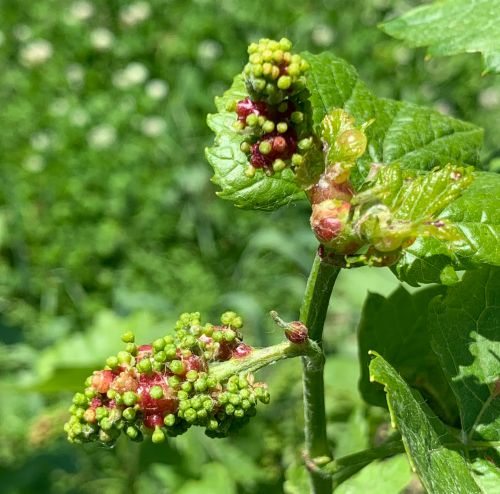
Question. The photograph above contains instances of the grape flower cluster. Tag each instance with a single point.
(273, 118)
(162, 389)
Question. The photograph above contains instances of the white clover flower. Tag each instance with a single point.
(153, 126)
(157, 89)
(101, 39)
(40, 141)
(489, 98)
(59, 107)
(34, 163)
(75, 74)
(22, 32)
(135, 13)
(323, 35)
(208, 51)
(133, 74)
(36, 53)
(102, 136)
(79, 118)
(81, 11)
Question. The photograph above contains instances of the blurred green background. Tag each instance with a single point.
(108, 222)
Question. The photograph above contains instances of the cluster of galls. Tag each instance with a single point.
(273, 117)
(162, 389)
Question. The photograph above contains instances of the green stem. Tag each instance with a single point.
(312, 314)
(261, 357)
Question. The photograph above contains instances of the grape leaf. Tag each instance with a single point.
(379, 477)
(440, 469)
(450, 27)
(477, 215)
(464, 333)
(396, 327)
(413, 136)
(229, 162)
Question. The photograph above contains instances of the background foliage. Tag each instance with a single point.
(108, 221)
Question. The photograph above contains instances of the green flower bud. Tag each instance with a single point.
(223, 398)
(187, 386)
(282, 127)
(112, 362)
(192, 375)
(196, 402)
(239, 413)
(158, 436)
(174, 381)
(235, 399)
(129, 414)
(201, 414)
(297, 159)
(265, 147)
(100, 413)
(252, 120)
(200, 385)
(232, 387)
(90, 393)
(293, 69)
(130, 398)
(128, 337)
(158, 344)
(267, 127)
(177, 366)
(170, 351)
(160, 356)
(132, 432)
(229, 409)
(285, 44)
(188, 342)
(250, 171)
(156, 392)
(190, 415)
(182, 395)
(212, 382)
(229, 335)
(169, 420)
(131, 348)
(305, 144)
(124, 357)
(297, 117)
(284, 82)
(106, 424)
(245, 404)
(80, 399)
(279, 165)
(242, 381)
(158, 366)
(144, 366)
(208, 404)
(245, 147)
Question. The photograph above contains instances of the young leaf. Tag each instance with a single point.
(452, 26)
(477, 215)
(414, 136)
(229, 162)
(396, 327)
(464, 332)
(441, 470)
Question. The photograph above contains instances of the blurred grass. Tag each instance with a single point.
(108, 221)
